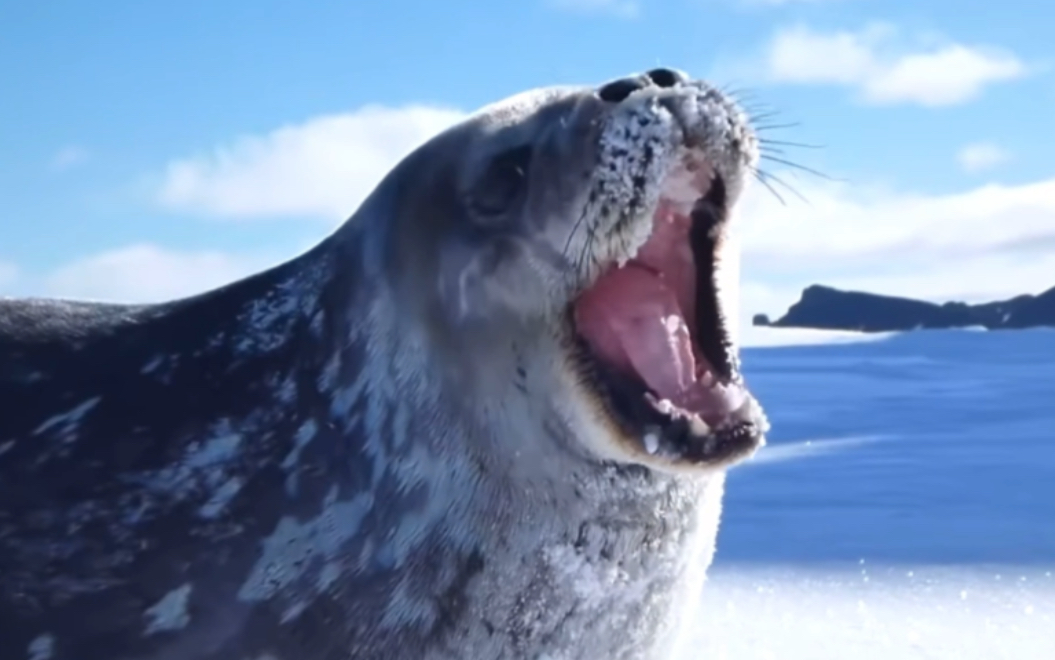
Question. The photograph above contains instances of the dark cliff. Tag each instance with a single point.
(823, 307)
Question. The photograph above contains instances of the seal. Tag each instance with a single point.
(487, 417)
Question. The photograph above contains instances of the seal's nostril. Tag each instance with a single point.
(617, 90)
(667, 77)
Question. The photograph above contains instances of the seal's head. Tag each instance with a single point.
(601, 217)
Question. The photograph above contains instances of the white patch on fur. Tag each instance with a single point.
(33, 377)
(64, 425)
(203, 471)
(41, 648)
(318, 319)
(153, 364)
(305, 434)
(269, 322)
(203, 464)
(329, 575)
(595, 583)
(286, 391)
(220, 498)
(160, 366)
(293, 548)
(293, 612)
(330, 373)
(170, 613)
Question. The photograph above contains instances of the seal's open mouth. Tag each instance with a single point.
(656, 340)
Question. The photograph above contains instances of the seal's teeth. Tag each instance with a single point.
(651, 442)
(666, 406)
(698, 427)
(749, 411)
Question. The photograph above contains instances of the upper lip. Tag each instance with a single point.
(675, 105)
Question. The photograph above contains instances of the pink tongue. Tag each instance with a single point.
(632, 320)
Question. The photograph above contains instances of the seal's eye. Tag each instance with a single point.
(501, 182)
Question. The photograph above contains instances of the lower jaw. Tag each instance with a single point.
(683, 439)
(676, 439)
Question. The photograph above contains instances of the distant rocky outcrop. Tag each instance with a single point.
(826, 308)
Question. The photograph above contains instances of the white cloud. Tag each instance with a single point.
(883, 70)
(67, 157)
(981, 156)
(618, 8)
(146, 273)
(322, 168)
(865, 226)
(986, 243)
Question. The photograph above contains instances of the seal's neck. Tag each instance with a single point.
(469, 453)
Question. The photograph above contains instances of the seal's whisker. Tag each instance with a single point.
(758, 108)
(760, 113)
(580, 256)
(571, 234)
(767, 149)
(762, 178)
(755, 107)
(764, 116)
(774, 127)
(587, 250)
(740, 94)
(727, 89)
(797, 166)
(732, 92)
(779, 181)
(786, 143)
(776, 179)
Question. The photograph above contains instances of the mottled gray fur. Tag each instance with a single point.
(379, 449)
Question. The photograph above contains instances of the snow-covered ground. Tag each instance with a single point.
(887, 613)
(904, 508)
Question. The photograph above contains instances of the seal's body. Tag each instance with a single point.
(434, 435)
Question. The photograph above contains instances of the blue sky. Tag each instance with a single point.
(149, 150)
